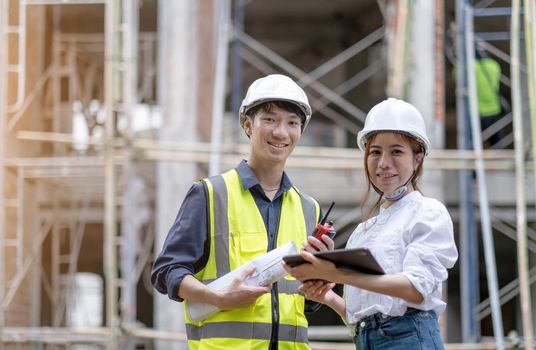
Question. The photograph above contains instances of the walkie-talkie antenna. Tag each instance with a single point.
(327, 213)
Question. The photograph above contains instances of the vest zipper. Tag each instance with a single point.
(274, 341)
(275, 319)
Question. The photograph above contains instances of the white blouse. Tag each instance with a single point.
(413, 237)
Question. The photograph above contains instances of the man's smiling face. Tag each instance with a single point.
(273, 135)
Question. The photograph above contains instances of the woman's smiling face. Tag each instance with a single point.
(391, 161)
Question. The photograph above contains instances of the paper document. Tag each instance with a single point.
(268, 269)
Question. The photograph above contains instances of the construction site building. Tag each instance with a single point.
(111, 109)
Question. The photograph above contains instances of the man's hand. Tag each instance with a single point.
(239, 294)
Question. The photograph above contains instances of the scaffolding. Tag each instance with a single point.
(85, 185)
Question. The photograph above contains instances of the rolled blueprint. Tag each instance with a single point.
(268, 269)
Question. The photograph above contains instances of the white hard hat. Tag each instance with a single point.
(274, 87)
(394, 115)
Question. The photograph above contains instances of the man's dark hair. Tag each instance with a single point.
(285, 105)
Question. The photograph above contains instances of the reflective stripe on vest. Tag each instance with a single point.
(310, 210)
(243, 330)
(221, 225)
(288, 286)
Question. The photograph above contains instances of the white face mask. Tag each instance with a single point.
(399, 192)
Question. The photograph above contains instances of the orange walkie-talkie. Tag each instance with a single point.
(325, 228)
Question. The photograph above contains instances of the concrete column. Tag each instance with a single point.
(206, 49)
(423, 92)
(421, 73)
(421, 84)
(177, 95)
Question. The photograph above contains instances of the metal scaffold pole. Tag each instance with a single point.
(485, 220)
(530, 41)
(3, 83)
(521, 210)
(130, 214)
(468, 240)
(112, 95)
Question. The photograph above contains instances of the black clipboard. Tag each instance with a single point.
(360, 259)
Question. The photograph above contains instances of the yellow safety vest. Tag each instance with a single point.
(237, 235)
(488, 80)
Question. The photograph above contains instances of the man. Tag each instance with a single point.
(488, 80)
(229, 219)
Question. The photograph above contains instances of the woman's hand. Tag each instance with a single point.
(314, 269)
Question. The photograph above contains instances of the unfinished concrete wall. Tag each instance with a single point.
(177, 95)
(421, 84)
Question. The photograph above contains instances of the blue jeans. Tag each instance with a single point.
(414, 330)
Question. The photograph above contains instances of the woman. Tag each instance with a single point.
(411, 237)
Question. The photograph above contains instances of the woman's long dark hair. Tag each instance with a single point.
(416, 147)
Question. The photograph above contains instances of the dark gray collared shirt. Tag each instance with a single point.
(186, 248)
